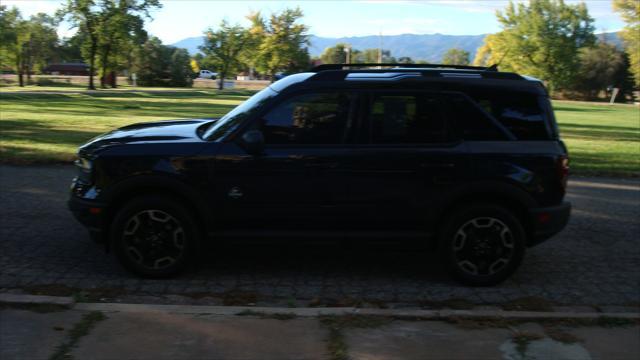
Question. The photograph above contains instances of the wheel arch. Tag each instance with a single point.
(506, 195)
(144, 185)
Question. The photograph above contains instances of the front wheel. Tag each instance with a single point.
(482, 244)
(154, 236)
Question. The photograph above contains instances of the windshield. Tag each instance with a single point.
(235, 117)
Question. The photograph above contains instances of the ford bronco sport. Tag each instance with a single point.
(467, 159)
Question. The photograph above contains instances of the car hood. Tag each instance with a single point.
(151, 132)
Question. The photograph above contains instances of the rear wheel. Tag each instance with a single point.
(154, 236)
(482, 244)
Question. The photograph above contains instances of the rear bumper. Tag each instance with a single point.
(548, 221)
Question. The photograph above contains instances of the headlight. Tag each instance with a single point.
(84, 164)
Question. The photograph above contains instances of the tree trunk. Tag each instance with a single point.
(221, 80)
(105, 59)
(92, 60)
(29, 60)
(19, 70)
(103, 74)
(103, 77)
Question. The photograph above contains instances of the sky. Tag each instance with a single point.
(179, 19)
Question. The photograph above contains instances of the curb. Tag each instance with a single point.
(208, 310)
(20, 299)
(204, 310)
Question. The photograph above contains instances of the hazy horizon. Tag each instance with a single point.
(178, 20)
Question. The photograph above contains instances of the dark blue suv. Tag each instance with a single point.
(465, 159)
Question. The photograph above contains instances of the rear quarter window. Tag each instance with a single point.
(521, 113)
(470, 121)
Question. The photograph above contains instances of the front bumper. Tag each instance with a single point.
(89, 212)
(548, 221)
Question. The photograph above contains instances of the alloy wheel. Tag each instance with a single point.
(483, 246)
(154, 239)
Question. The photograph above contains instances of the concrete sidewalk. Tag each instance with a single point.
(126, 332)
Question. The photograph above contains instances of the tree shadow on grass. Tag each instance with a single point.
(225, 95)
(580, 109)
(43, 132)
(601, 127)
(602, 132)
(25, 142)
(132, 109)
(603, 165)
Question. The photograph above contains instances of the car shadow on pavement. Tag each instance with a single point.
(360, 259)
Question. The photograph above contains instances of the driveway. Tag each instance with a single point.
(595, 261)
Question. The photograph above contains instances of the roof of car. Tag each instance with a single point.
(393, 72)
(361, 74)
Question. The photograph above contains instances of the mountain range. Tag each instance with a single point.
(429, 47)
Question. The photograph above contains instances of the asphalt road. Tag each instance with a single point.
(594, 261)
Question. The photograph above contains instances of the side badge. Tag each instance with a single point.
(235, 193)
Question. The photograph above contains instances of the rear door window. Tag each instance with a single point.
(407, 118)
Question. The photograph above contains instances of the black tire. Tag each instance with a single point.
(482, 244)
(154, 236)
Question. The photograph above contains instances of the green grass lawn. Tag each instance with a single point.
(83, 88)
(602, 139)
(42, 128)
(45, 128)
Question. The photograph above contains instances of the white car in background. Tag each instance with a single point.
(206, 74)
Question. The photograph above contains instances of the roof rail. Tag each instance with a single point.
(325, 67)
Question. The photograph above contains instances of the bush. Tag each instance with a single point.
(160, 65)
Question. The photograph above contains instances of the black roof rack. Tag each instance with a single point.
(326, 67)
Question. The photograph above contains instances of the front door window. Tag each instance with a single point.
(320, 118)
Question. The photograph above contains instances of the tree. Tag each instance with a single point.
(41, 39)
(121, 28)
(541, 39)
(152, 63)
(10, 23)
(335, 54)
(26, 44)
(405, 60)
(70, 49)
(160, 65)
(222, 48)
(8, 19)
(282, 42)
(180, 68)
(370, 56)
(86, 16)
(195, 67)
(456, 56)
(601, 67)
(630, 12)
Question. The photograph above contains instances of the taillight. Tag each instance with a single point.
(563, 170)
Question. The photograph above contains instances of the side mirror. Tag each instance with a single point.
(253, 142)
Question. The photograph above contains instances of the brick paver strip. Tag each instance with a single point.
(36, 300)
(594, 262)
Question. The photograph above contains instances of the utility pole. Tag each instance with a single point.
(380, 49)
